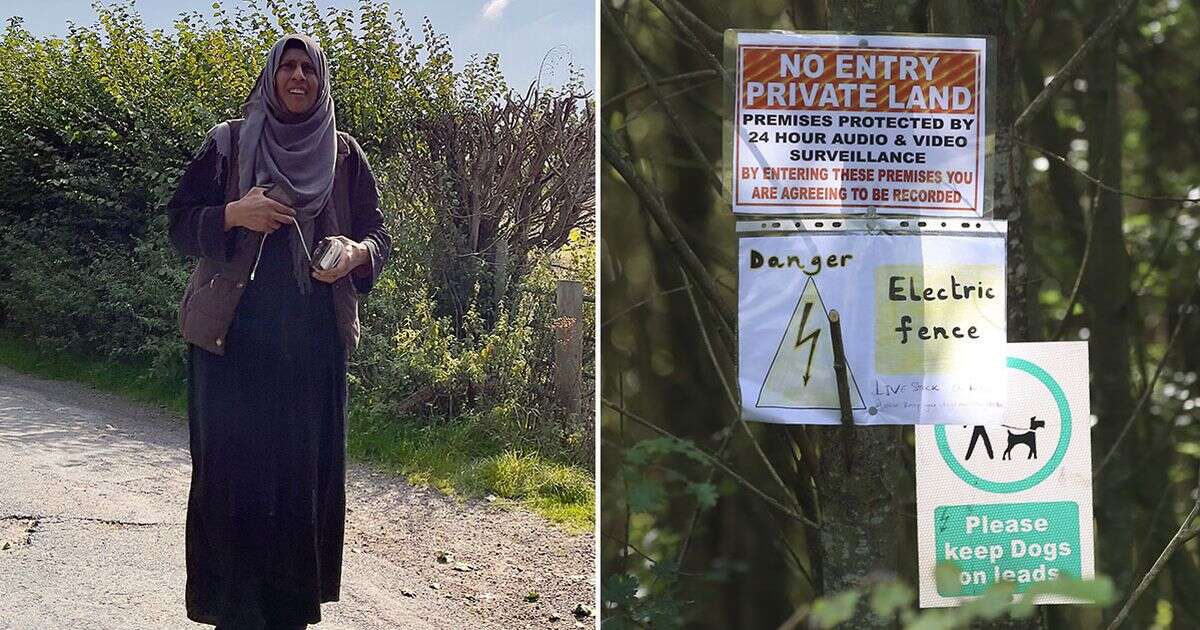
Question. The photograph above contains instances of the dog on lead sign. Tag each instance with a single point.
(1011, 502)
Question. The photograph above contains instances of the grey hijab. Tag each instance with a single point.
(295, 153)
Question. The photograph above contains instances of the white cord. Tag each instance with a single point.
(261, 241)
(264, 240)
(302, 244)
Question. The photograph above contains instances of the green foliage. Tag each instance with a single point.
(828, 612)
(892, 599)
(657, 358)
(97, 125)
(464, 457)
(628, 610)
(522, 476)
(647, 482)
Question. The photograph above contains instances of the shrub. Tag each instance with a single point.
(96, 126)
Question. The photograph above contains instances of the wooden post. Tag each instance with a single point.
(568, 348)
(839, 368)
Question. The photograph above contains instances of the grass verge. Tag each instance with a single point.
(128, 381)
(458, 458)
(461, 457)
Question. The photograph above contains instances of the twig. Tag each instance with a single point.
(678, 78)
(712, 472)
(712, 355)
(1159, 251)
(742, 481)
(1105, 186)
(624, 478)
(1087, 253)
(1186, 532)
(630, 546)
(1185, 312)
(733, 401)
(632, 116)
(705, 29)
(687, 30)
(782, 540)
(652, 84)
(652, 203)
(644, 302)
(1065, 73)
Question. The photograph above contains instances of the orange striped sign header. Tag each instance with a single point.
(891, 80)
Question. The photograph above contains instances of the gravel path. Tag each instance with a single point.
(93, 495)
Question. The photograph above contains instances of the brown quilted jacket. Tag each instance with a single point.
(196, 222)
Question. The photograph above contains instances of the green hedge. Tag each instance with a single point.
(96, 126)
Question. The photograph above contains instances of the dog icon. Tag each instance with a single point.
(1028, 438)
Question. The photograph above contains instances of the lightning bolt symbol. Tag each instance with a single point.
(802, 339)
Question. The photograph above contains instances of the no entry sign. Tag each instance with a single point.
(922, 317)
(1011, 502)
(841, 123)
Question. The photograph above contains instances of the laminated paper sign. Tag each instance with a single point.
(840, 123)
(922, 317)
(1011, 502)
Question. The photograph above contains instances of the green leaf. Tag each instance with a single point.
(705, 493)
(945, 574)
(889, 597)
(645, 495)
(619, 588)
(653, 449)
(1099, 592)
(994, 602)
(830, 611)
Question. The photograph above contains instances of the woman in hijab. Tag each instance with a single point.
(269, 331)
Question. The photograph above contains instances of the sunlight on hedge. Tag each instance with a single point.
(95, 128)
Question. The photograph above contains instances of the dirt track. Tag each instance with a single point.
(93, 491)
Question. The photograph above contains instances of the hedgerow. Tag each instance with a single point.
(97, 125)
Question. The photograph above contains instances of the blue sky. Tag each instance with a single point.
(522, 31)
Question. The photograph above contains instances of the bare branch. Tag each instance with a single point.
(705, 30)
(687, 30)
(652, 84)
(654, 205)
(1185, 312)
(685, 77)
(1068, 70)
(1186, 532)
(644, 302)
(1087, 254)
(1106, 186)
(742, 481)
(630, 547)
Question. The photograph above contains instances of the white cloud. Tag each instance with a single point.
(494, 8)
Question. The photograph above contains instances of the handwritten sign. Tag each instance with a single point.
(922, 312)
(839, 123)
(1011, 502)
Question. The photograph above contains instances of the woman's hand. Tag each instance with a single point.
(257, 212)
(353, 255)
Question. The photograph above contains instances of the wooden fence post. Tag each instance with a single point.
(568, 348)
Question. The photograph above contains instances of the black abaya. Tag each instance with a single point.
(266, 510)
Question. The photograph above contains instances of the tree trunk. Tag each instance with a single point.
(860, 467)
(1108, 301)
(860, 523)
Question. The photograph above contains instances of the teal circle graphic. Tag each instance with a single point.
(1064, 439)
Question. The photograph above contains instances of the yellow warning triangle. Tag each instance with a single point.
(801, 375)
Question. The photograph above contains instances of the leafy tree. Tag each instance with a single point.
(97, 125)
(1094, 177)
